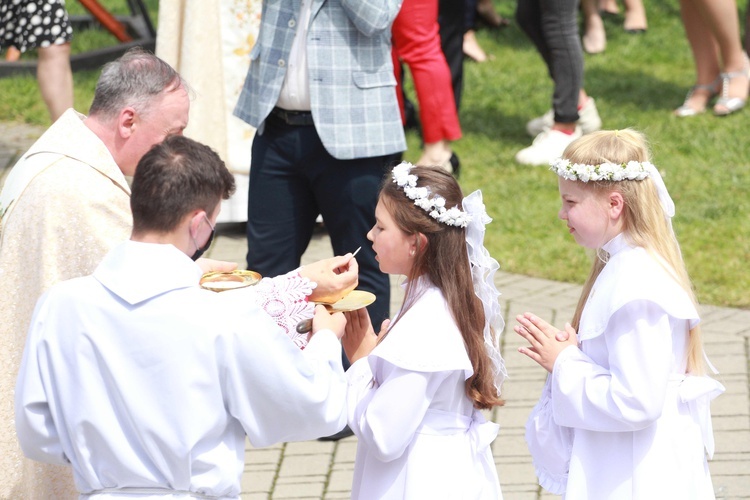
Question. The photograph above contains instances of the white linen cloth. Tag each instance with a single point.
(141, 379)
(621, 409)
(418, 433)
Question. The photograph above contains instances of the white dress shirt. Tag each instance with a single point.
(295, 91)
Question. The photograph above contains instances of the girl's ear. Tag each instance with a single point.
(616, 204)
(419, 243)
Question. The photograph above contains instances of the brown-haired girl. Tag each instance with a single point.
(625, 412)
(415, 390)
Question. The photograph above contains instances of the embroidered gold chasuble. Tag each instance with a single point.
(63, 206)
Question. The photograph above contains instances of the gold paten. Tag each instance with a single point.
(223, 281)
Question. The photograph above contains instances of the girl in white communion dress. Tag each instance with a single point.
(625, 413)
(417, 388)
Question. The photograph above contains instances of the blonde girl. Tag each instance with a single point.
(416, 390)
(625, 410)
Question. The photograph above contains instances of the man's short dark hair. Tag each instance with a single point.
(174, 178)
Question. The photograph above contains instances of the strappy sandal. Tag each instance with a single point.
(731, 104)
(686, 110)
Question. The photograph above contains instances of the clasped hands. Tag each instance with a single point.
(545, 341)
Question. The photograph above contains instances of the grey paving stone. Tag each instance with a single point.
(258, 481)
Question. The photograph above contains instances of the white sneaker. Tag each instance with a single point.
(541, 123)
(547, 146)
(588, 120)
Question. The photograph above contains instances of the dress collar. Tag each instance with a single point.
(69, 136)
(616, 244)
(136, 271)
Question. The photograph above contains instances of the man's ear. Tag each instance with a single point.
(196, 218)
(126, 122)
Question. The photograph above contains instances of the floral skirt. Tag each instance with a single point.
(29, 24)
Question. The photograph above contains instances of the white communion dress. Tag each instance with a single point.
(620, 418)
(419, 435)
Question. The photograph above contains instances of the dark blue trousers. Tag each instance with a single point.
(292, 180)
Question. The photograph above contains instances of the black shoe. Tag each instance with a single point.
(455, 165)
(343, 433)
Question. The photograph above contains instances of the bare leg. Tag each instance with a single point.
(13, 54)
(472, 48)
(595, 38)
(55, 78)
(436, 153)
(721, 19)
(635, 16)
(704, 48)
(609, 6)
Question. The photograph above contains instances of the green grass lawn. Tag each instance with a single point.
(636, 82)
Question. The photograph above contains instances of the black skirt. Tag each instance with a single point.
(29, 24)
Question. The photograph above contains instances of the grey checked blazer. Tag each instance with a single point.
(352, 86)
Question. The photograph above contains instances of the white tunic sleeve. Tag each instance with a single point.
(550, 445)
(281, 393)
(629, 393)
(35, 426)
(371, 413)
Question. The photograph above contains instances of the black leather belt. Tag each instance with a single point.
(297, 118)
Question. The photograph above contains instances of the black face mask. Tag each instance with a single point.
(201, 250)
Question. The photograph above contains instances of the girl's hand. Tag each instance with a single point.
(323, 320)
(546, 341)
(359, 338)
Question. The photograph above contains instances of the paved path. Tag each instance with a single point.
(323, 470)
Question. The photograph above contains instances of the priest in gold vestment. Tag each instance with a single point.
(64, 205)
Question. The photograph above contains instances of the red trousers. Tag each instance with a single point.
(416, 43)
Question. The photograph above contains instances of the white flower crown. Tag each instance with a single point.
(434, 206)
(631, 171)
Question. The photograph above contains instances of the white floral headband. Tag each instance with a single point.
(434, 206)
(630, 171)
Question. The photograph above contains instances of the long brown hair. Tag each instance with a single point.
(643, 217)
(445, 261)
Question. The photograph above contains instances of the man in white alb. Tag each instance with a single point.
(147, 384)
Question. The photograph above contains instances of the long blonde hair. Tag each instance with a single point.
(644, 223)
